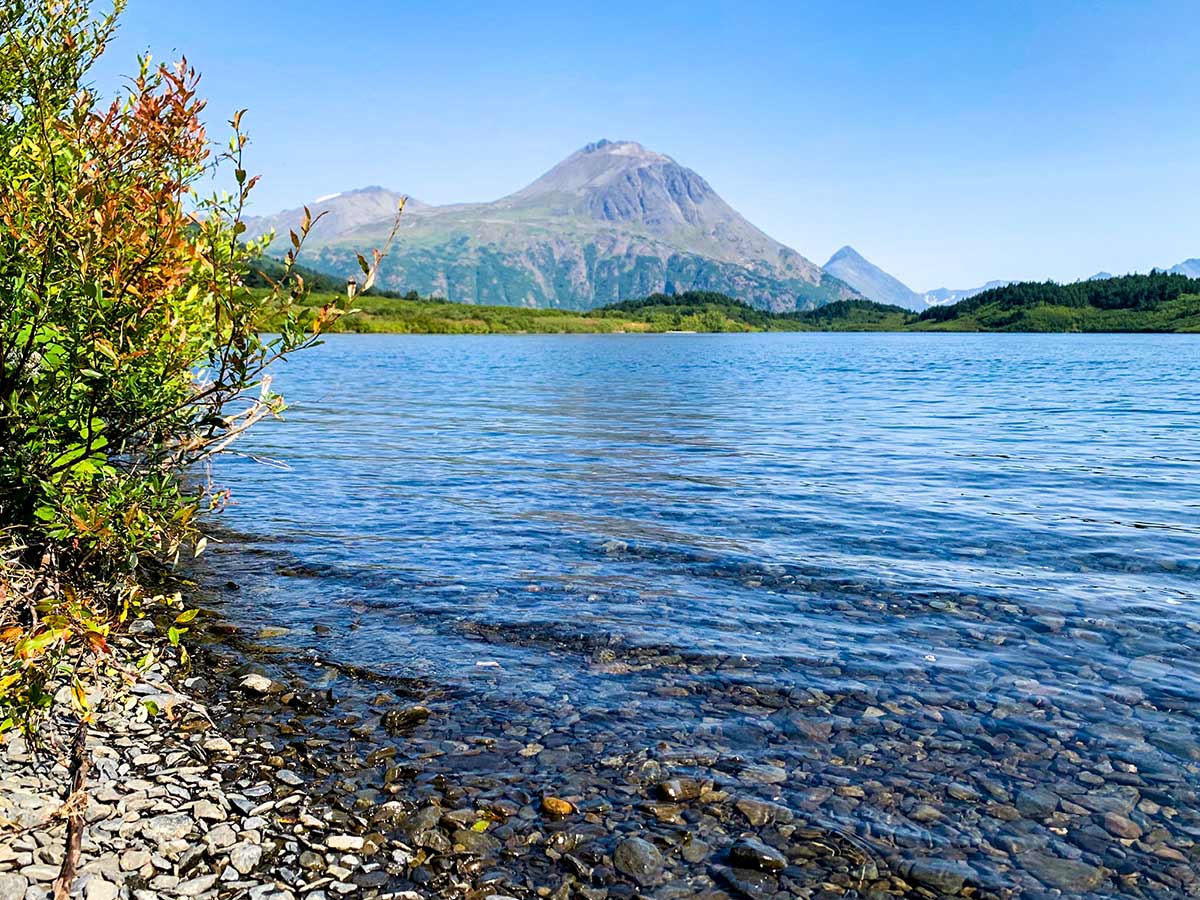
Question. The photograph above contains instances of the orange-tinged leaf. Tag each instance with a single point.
(97, 642)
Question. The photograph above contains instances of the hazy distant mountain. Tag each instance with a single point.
(1100, 276)
(946, 296)
(611, 222)
(1189, 267)
(872, 282)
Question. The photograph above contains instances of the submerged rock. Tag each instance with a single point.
(556, 806)
(944, 875)
(750, 853)
(399, 719)
(1064, 874)
(639, 859)
(680, 789)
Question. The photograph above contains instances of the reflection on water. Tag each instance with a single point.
(934, 594)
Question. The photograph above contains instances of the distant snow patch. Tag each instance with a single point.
(327, 197)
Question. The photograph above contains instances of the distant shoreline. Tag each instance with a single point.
(814, 331)
(1158, 303)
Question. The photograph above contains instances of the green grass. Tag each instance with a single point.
(692, 311)
(1153, 303)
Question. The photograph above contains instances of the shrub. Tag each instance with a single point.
(130, 350)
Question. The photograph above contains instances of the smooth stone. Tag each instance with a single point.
(749, 853)
(749, 884)
(1036, 803)
(943, 875)
(245, 856)
(209, 811)
(399, 719)
(344, 842)
(679, 789)
(1119, 826)
(694, 850)
(99, 889)
(42, 873)
(217, 745)
(170, 827)
(261, 685)
(423, 819)
(12, 886)
(760, 812)
(1064, 874)
(925, 813)
(220, 837)
(475, 841)
(639, 859)
(133, 859)
(556, 806)
(960, 791)
(764, 774)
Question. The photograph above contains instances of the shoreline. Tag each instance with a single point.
(240, 798)
(301, 779)
(180, 805)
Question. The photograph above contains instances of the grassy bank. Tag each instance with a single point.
(1133, 303)
(690, 312)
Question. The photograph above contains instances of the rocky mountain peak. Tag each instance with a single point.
(847, 254)
(622, 181)
(871, 281)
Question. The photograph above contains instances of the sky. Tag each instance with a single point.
(949, 142)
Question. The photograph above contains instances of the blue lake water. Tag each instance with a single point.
(856, 575)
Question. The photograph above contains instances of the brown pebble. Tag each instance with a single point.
(556, 806)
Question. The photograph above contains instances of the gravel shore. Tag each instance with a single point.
(178, 809)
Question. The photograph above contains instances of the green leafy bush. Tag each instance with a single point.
(130, 350)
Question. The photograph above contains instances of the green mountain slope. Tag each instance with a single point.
(613, 221)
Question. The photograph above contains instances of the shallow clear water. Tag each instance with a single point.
(899, 561)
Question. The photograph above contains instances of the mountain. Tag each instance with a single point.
(611, 222)
(1100, 276)
(872, 282)
(948, 296)
(1189, 267)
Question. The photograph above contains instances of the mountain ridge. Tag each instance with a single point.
(610, 222)
(871, 281)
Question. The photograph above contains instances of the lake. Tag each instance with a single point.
(912, 607)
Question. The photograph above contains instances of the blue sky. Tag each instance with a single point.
(950, 143)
